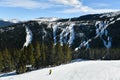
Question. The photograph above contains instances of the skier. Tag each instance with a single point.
(50, 71)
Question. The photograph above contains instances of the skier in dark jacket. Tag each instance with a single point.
(50, 71)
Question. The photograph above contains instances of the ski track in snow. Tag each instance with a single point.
(64, 34)
(44, 34)
(72, 34)
(118, 19)
(100, 31)
(54, 32)
(67, 31)
(84, 70)
(29, 36)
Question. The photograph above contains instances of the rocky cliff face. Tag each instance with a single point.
(89, 31)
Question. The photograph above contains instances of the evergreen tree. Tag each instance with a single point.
(68, 54)
(21, 66)
(7, 63)
(1, 63)
(37, 56)
(52, 55)
(43, 54)
(30, 55)
(16, 56)
(60, 55)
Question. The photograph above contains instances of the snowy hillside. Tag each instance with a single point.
(11, 20)
(84, 70)
(6, 22)
(88, 31)
(42, 19)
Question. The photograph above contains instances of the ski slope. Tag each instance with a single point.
(83, 70)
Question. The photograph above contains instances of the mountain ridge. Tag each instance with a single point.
(77, 32)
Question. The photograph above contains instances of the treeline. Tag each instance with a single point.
(35, 57)
(40, 55)
(98, 53)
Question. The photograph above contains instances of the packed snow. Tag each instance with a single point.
(102, 31)
(112, 14)
(29, 36)
(118, 19)
(111, 19)
(44, 34)
(84, 44)
(65, 33)
(54, 32)
(72, 34)
(83, 70)
(108, 43)
(62, 37)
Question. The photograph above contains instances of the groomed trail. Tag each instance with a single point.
(82, 70)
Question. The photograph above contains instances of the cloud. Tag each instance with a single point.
(28, 4)
(78, 7)
(67, 6)
(74, 3)
(87, 10)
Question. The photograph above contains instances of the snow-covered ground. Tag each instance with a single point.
(83, 70)
(46, 19)
(29, 36)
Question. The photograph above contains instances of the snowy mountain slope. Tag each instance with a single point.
(28, 37)
(84, 70)
(111, 14)
(6, 22)
(88, 31)
(12, 20)
(42, 19)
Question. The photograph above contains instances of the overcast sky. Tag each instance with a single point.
(30, 9)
